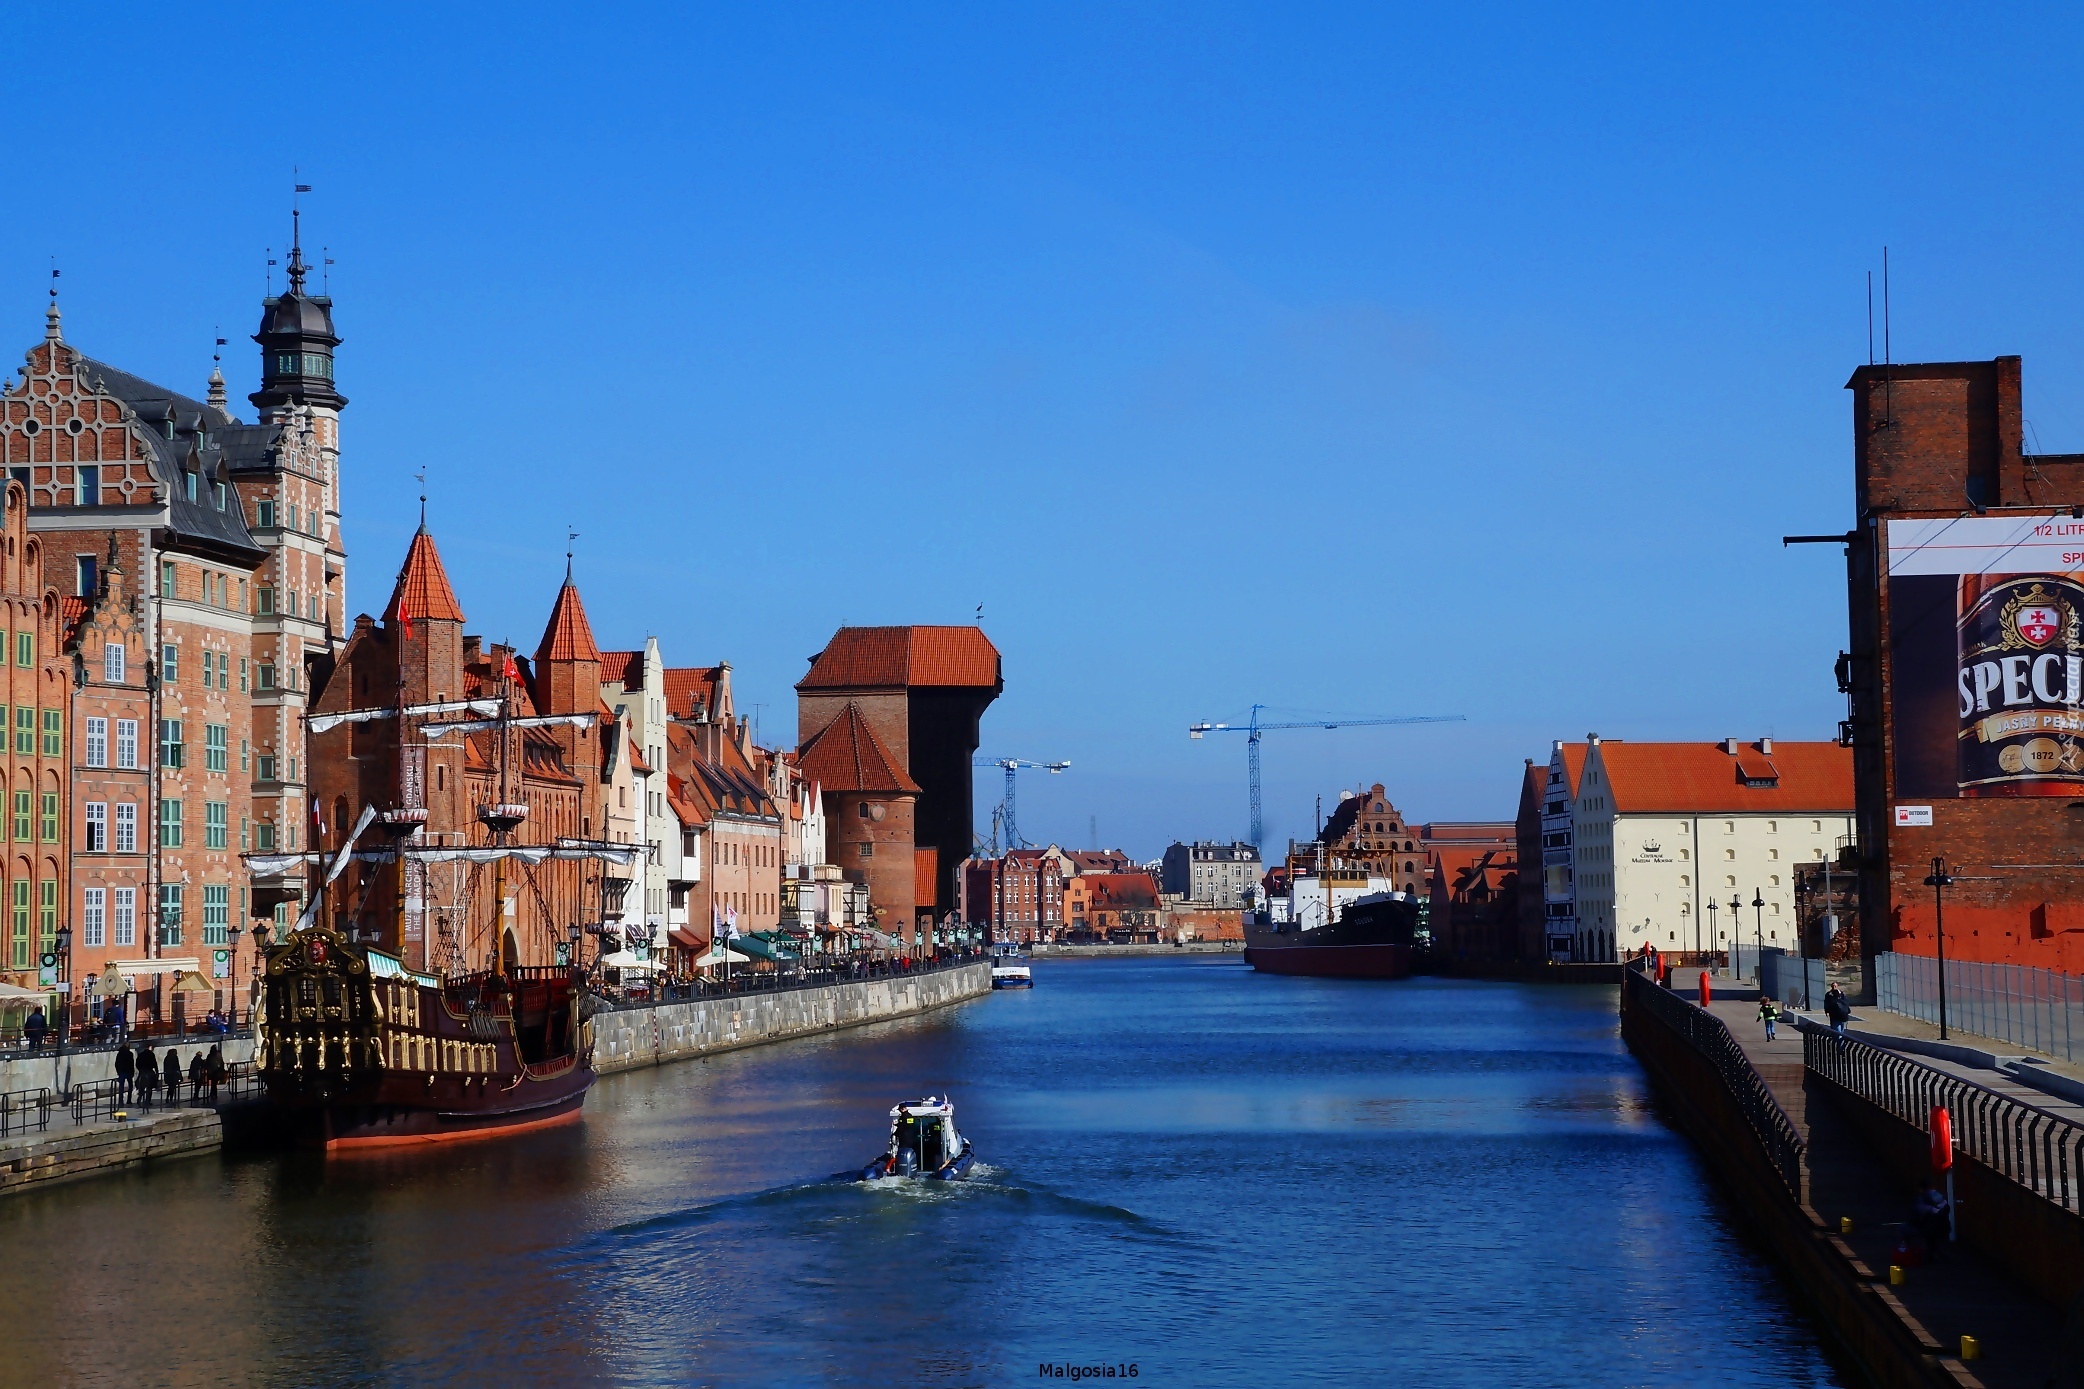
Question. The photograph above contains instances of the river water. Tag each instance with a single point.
(1211, 1176)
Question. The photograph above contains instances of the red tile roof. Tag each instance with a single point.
(846, 755)
(424, 585)
(626, 666)
(568, 637)
(1702, 779)
(895, 657)
(71, 608)
(688, 685)
(1573, 765)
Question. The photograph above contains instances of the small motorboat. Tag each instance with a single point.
(923, 1143)
(1011, 971)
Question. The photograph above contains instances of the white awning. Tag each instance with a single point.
(136, 969)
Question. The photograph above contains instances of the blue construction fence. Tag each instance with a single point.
(2035, 1009)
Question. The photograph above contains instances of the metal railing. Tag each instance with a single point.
(765, 981)
(95, 1100)
(2037, 1009)
(2042, 1152)
(21, 1110)
(1704, 1032)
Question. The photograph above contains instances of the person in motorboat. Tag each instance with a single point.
(923, 1143)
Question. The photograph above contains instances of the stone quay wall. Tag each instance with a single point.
(628, 1038)
(65, 1153)
(59, 1071)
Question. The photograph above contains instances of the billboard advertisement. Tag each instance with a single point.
(1986, 655)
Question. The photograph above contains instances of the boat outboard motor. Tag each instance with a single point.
(907, 1162)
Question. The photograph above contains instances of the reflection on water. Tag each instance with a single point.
(1224, 1178)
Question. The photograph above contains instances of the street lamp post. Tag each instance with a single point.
(1758, 910)
(1939, 882)
(1801, 944)
(1736, 926)
(63, 941)
(1712, 937)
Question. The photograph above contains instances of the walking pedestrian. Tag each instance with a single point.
(172, 1075)
(217, 1072)
(126, 1073)
(1767, 1014)
(147, 1074)
(34, 1028)
(198, 1076)
(1838, 1008)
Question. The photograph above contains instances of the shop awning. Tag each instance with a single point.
(143, 969)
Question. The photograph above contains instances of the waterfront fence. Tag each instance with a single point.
(2042, 1152)
(95, 1100)
(769, 981)
(1704, 1032)
(22, 1110)
(2038, 1009)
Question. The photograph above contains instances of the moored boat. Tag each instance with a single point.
(1011, 970)
(923, 1143)
(360, 1052)
(1369, 938)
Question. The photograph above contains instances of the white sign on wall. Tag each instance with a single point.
(1914, 815)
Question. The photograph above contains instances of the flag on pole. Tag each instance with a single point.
(509, 670)
(405, 615)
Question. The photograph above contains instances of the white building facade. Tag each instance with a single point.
(1662, 830)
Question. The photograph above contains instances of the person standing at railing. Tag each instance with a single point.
(172, 1075)
(126, 1073)
(215, 1071)
(35, 1028)
(147, 1074)
(198, 1076)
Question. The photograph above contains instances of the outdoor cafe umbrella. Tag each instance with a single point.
(11, 993)
(721, 955)
(190, 982)
(111, 985)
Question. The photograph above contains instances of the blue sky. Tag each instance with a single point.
(1357, 360)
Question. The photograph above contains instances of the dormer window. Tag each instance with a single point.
(218, 489)
(192, 478)
(166, 426)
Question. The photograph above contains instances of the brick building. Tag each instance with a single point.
(870, 808)
(1474, 890)
(1121, 908)
(1963, 713)
(226, 535)
(1018, 896)
(451, 915)
(1212, 874)
(1366, 832)
(920, 692)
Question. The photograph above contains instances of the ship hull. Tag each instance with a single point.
(347, 1128)
(356, 1058)
(1332, 961)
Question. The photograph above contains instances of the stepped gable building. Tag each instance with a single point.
(228, 535)
(870, 813)
(1956, 523)
(1368, 833)
(454, 915)
(921, 691)
(1532, 940)
(35, 685)
(741, 838)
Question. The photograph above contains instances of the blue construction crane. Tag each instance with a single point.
(1011, 765)
(1252, 728)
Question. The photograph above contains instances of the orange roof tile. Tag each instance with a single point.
(846, 755)
(894, 657)
(423, 584)
(568, 637)
(71, 608)
(626, 666)
(687, 685)
(1700, 778)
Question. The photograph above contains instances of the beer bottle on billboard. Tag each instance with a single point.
(2020, 682)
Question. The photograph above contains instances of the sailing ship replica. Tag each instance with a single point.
(363, 1051)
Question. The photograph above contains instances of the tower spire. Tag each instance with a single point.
(422, 476)
(50, 315)
(570, 536)
(296, 237)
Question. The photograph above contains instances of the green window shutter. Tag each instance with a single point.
(49, 827)
(53, 733)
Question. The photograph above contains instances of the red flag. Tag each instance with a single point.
(508, 670)
(404, 616)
